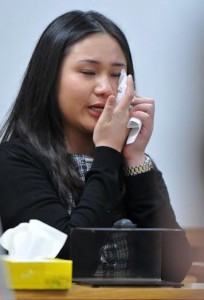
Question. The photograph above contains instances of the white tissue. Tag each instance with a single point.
(121, 86)
(33, 241)
(134, 123)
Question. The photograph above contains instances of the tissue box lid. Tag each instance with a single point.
(42, 274)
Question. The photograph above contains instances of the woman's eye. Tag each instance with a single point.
(87, 72)
(115, 75)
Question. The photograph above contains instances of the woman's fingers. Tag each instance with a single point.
(112, 121)
(138, 100)
(144, 107)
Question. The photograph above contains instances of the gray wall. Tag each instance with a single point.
(167, 43)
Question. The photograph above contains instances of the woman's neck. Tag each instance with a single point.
(80, 144)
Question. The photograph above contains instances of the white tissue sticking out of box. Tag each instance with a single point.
(134, 123)
(33, 241)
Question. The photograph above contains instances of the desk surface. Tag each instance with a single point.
(188, 292)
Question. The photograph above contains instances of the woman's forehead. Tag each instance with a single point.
(98, 47)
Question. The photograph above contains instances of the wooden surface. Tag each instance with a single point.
(195, 236)
(188, 292)
(196, 239)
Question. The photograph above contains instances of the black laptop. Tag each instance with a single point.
(118, 256)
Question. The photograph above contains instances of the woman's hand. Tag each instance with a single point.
(111, 129)
(143, 109)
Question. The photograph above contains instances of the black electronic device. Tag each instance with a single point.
(118, 256)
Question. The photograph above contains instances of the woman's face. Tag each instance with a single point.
(89, 75)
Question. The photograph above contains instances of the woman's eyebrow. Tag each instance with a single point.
(96, 62)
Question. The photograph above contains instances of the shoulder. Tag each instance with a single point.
(17, 148)
(17, 152)
(15, 145)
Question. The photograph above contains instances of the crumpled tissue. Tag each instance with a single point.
(134, 123)
(32, 241)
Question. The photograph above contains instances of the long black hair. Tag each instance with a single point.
(35, 116)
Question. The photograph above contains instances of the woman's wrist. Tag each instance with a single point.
(146, 166)
(136, 161)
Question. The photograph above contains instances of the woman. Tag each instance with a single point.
(63, 154)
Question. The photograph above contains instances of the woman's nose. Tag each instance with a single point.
(104, 86)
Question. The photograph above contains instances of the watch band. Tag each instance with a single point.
(135, 170)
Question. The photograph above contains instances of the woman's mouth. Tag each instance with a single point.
(96, 111)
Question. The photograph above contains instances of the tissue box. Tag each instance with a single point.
(52, 274)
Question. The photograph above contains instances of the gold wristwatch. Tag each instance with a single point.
(146, 167)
